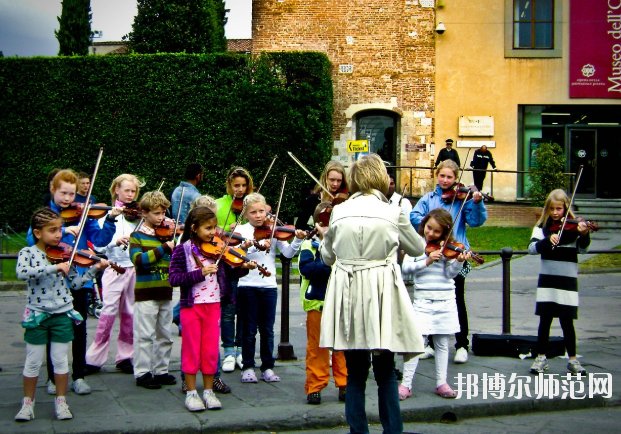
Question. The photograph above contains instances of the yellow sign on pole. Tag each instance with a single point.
(357, 146)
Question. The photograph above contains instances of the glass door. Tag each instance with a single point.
(583, 152)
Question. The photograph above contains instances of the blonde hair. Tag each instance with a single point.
(368, 173)
(125, 177)
(448, 164)
(331, 166)
(67, 176)
(253, 198)
(152, 200)
(236, 172)
(206, 201)
(557, 195)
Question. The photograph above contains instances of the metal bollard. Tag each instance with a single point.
(285, 349)
(506, 253)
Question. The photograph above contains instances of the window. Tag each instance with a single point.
(533, 24)
(533, 28)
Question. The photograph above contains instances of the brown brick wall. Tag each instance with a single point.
(393, 55)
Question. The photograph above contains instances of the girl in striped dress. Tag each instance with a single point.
(557, 288)
(434, 299)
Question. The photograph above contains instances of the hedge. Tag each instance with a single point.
(153, 114)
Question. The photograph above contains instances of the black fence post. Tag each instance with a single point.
(285, 349)
(506, 253)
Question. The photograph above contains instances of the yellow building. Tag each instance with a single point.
(505, 65)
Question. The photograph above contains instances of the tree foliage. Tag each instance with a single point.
(74, 32)
(178, 26)
(547, 174)
(153, 114)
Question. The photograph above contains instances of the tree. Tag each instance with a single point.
(74, 33)
(547, 173)
(177, 26)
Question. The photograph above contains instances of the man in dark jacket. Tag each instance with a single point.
(482, 157)
(448, 153)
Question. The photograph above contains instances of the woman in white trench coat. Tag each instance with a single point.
(367, 310)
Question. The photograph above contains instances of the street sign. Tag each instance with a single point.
(357, 146)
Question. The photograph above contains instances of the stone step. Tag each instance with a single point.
(600, 217)
(598, 210)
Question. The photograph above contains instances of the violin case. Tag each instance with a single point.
(514, 346)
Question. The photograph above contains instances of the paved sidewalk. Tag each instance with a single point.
(117, 405)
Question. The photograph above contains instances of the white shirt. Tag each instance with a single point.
(406, 205)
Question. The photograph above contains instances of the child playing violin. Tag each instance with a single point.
(315, 274)
(63, 189)
(202, 283)
(117, 289)
(238, 185)
(257, 294)
(49, 314)
(434, 299)
(557, 288)
(153, 295)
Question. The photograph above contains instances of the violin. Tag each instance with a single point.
(326, 213)
(166, 231)
(234, 257)
(282, 233)
(83, 258)
(238, 204)
(99, 210)
(237, 239)
(452, 251)
(572, 225)
(459, 192)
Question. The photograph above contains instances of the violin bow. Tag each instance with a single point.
(310, 174)
(461, 173)
(178, 214)
(139, 225)
(267, 173)
(448, 237)
(87, 205)
(573, 195)
(282, 189)
(402, 193)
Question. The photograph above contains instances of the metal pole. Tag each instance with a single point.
(285, 349)
(410, 182)
(505, 254)
(492, 188)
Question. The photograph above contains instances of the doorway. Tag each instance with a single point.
(583, 152)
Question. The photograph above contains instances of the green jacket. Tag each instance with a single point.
(224, 204)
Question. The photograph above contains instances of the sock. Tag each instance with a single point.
(60, 399)
(192, 392)
(27, 401)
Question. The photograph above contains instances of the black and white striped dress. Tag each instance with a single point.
(557, 288)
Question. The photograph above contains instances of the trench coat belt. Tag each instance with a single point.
(350, 267)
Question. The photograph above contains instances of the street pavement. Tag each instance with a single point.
(116, 405)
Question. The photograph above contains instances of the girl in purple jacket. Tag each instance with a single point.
(202, 284)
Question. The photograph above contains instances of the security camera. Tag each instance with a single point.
(440, 29)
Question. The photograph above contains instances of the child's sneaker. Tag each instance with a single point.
(539, 365)
(574, 367)
(62, 409)
(193, 402)
(428, 354)
(27, 411)
(80, 387)
(228, 364)
(211, 401)
(51, 388)
(404, 392)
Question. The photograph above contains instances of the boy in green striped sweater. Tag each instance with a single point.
(153, 294)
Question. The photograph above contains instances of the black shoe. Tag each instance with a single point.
(165, 379)
(313, 398)
(125, 366)
(91, 369)
(220, 386)
(342, 394)
(147, 382)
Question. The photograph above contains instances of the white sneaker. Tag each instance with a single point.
(51, 388)
(211, 401)
(62, 409)
(238, 360)
(80, 387)
(228, 364)
(194, 403)
(27, 411)
(428, 354)
(461, 356)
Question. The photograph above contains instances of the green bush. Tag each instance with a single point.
(547, 173)
(153, 114)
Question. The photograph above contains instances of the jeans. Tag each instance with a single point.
(258, 311)
(230, 333)
(358, 364)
